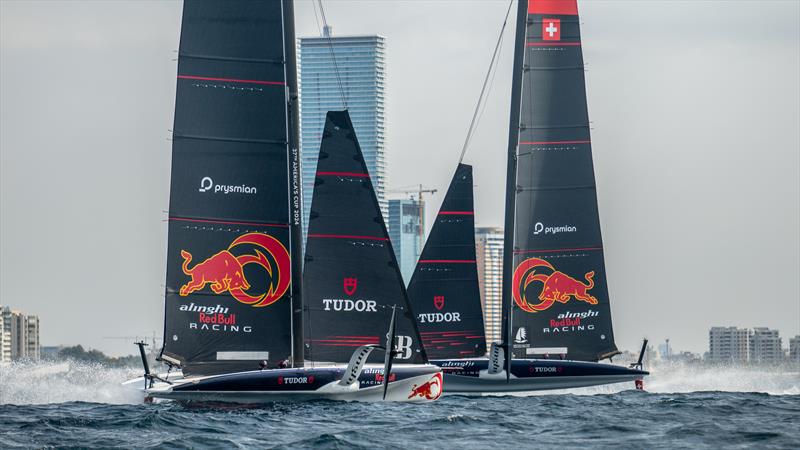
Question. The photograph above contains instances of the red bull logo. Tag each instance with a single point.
(224, 271)
(556, 286)
(430, 390)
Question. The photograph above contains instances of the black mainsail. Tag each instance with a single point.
(351, 276)
(444, 290)
(555, 289)
(234, 216)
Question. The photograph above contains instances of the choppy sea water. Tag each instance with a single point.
(75, 405)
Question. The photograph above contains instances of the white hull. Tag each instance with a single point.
(458, 384)
(425, 387)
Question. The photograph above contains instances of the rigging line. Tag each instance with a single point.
(489, 91)
(485, 82)
(326, 31)
(316, 18)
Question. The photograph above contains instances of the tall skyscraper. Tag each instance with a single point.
(765, 346)
(728, 344)
(361, 80)
(489, 252)
(406, 225)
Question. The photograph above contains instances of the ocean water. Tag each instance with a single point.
(76, 405)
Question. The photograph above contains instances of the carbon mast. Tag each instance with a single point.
(295, 194)
(511, 179)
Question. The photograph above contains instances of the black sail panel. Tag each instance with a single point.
(560, 301)
(351, 278)
(228, 296)
(444, 290)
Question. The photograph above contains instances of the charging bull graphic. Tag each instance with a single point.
(430, 389)
(225, 272)
(556, 286)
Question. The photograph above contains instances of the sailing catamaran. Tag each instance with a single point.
(556, 315)
(234, 310)
(352, 279)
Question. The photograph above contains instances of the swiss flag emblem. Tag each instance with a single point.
(551, 29)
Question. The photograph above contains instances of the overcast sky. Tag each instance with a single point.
(696, 135)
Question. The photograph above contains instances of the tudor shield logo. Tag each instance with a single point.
(438, 302)
(350, 285)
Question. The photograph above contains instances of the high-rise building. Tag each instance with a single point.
(728, 344)
(765, 346)
(5, 340)
(335, 70)
(19, 335)
(32, 348)
(489, 252)
(406, 225)
(794, 349)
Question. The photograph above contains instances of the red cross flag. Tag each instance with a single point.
(551, 29)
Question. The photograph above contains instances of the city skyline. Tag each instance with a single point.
(696, 172)
(338, 72)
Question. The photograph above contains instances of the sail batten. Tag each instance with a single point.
(559, 294)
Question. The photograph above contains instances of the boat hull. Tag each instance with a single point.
(407, 384)
(470, 376)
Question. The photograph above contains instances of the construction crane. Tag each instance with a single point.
(419, 190)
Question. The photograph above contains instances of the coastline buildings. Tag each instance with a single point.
(489, 252)
(5, 340)
(361, 79)
(794, 349)
(406, 225)
(765, 346)
(19, 335)
(758, 346)
(728, 344)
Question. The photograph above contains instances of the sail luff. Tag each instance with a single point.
(511, 178)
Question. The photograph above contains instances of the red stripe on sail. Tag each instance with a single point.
(231, 80)
(358, 337)
(446, 261)
(565, 7)
(348, 236)
(456, 213)
(553, 142)
(343, 174)
(552, 44)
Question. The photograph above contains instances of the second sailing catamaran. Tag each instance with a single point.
(556, 317)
